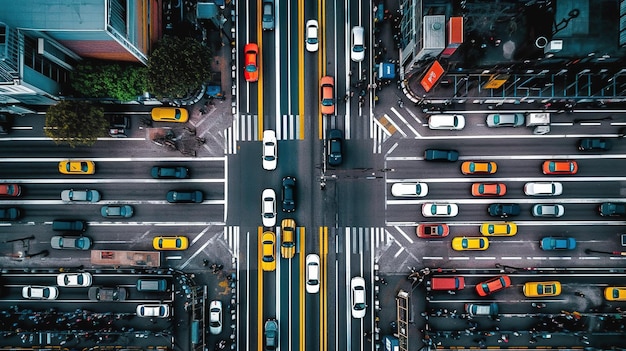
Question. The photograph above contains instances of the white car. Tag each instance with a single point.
(270, 150)
(447, 122)
(357, 53)
(312, 39)
(548, 210)
(268, 206)
(357, 292)
(80, 195)
(409, 189)
(215, 317)
(439, 210)
(158, 311)
(312, 273)
(543, 188)
(40, 292)
(70, 280)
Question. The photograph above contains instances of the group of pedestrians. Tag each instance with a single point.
(78, 326)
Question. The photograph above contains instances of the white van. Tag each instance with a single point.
(543, 188)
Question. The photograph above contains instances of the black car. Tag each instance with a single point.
(10, 213)
(289, 194)
(594, 144)
(97, 293)
(169, 172)
(335, 139)
(6, 123)
(185, 196)
(441, 155)
(504, 210)
(271, 334)
(118, 126)
(612, 209)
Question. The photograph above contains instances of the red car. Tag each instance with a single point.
(560, 167)
(10, 190)
(327, 95)
(432, 231)
(488, 189)
(492, 285)
(251, 69)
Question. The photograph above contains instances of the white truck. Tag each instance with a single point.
(541, 122)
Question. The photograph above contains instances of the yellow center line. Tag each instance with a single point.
(259, 30)
(259, 291)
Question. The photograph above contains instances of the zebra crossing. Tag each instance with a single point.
(360, 239)
(365, 239)
(292, 127)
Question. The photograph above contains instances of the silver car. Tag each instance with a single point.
(80, 195)
(505, 120)
(548, 210)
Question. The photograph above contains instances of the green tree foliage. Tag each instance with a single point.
(95, 79)
(75, 123)
(178, 66)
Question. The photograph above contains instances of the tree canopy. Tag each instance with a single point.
(75, 123)
(178, 66)
(95, 79)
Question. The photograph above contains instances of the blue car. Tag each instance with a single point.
(557, 243)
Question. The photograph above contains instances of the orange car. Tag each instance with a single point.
(251, 69)
(560, 167)
(492, 285)
(432, 231)
(488, 189)
(327, 93)
(471, 167)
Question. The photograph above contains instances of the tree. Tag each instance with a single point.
(178, 66)
(75, 123)
(95, 79)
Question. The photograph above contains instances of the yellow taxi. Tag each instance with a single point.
(268, 251)
(170, 114)
(288, 238)
(77, 167)
(472, 167)
(498, 229)
(170, 243)
(541, 289)
(462, 243)
(615, 293)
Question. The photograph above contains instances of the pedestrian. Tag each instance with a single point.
(579, 294)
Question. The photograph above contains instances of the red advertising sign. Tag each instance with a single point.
(432, 76)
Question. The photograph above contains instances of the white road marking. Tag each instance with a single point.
(404, 234)
(406, 123)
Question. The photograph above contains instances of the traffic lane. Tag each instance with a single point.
(136, 170)
(510, 167)
(144, 213)
(470, 145)
(472, 211)
(112, 192)
(573, 192)
(289, 296)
